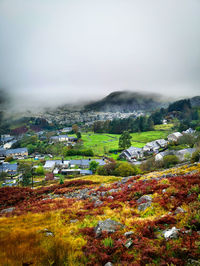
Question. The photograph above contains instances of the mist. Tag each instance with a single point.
(65, 51)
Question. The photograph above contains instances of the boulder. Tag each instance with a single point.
(144, 206)
(98, 203)
(108, 225)
(171, 233)
(47, 232)
(108, 264)
(74, 221)
(8, 210)
(179, 210)
(144, 198)
(110, 197)
(191, 262)
(127, 234)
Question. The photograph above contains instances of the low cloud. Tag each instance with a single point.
(57, 52)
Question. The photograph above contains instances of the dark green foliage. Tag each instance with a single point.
(25, 168)
(181, 105)
(107, 169)
(117, 126)
(195, 156)
(61, 181)
(73, 152)
(126, 169)
(93, 166)
(170, 160)
(118, 169)
(78, 134)
(125, 140)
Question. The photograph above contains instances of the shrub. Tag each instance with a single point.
(107, 169)
(195, 156)
(148, 165)
(126, 169)
(61, 180)
(170, 160)
(73, 152)
(39, 170)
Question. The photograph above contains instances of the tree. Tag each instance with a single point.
(125, 140)
(26, 170)
(75, 128)
(93, 166)
(78, 134)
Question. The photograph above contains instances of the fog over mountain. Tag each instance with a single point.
(57, 52)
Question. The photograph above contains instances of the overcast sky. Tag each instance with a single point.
(58, 51)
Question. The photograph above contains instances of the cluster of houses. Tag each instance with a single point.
(19, 153)
(79, 167)
(7, 141)
(158, 147)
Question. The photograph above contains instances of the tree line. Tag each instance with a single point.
(118, 126)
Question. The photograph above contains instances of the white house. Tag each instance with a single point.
(60, 138)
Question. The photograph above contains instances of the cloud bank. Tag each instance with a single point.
(55, 52)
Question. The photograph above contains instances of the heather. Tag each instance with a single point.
(58, 224)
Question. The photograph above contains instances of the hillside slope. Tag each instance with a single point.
(152, 219)
(126, 101)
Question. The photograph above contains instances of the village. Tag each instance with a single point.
(55, 167)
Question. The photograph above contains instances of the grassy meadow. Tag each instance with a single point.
(101, 143)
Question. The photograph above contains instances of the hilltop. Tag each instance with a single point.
(127, 101)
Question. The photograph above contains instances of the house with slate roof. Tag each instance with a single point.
(17, 153)
(132, 153)
(10, 169)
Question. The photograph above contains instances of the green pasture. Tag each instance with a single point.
(101, 143)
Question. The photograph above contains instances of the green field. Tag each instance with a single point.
(101, 143)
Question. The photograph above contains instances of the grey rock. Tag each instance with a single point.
(191, 262)
(164, 190)
(98, 203)
(110, 197)
(128, 243)
(47, 232)
(179, 210)
(108, 225)
(103, 193)
(144, 206)
(108, 264)
(8, 210)
(171, 233)
(127, 234)
(113, 190)
(144, 198)
(74, 221)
